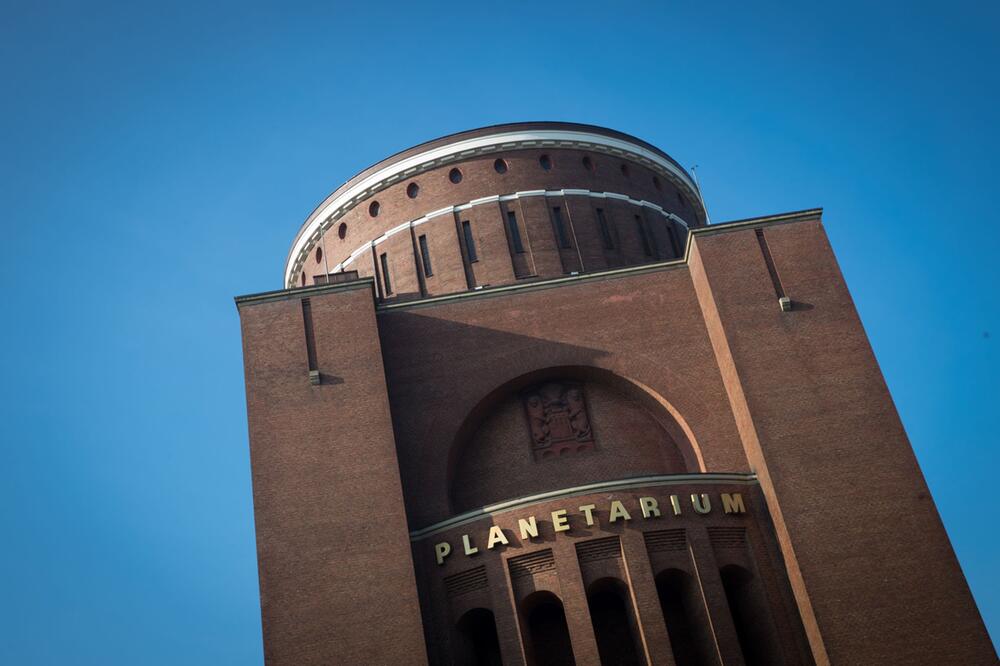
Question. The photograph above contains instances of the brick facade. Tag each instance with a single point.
(703, 476)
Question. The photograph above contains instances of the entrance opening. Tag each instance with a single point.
(750, 617)
(548, 635)
(614, 624)
(678, 599)
(478, 645)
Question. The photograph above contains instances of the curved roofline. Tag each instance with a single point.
(432, 149)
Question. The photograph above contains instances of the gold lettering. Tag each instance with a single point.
(588, 513)
(618, 511)
(675, 502)
(650, 507)
(701, 503)
(469, 548)
(733, 503)
(560, 523)
(529, 528)
(441, 551)
(496, 536)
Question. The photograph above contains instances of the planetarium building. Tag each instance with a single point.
(519, 403)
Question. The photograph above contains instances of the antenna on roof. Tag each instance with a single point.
(694, 176)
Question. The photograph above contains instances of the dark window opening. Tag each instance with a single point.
(548, 636)
(612, 623)
(641, 229)
(677, 601)
(342, 231)
(478, 640)
(500, 165)
(545, 161)
(625, 171)
(412, 190)
(560, 228)
(384, 261)
(656, 183)
(515, 233)
(425, 256)
(373, 208)
(455, 176)
(470, 242)
(750, 616)
(319, 254)
(674, 241)
(602, 222)
(588, 163)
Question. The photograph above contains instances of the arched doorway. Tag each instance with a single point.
(548, 641)
(751, 617)
(614, 623)
(478, 641)
(689, 640)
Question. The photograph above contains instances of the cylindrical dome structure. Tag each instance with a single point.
(500, 205)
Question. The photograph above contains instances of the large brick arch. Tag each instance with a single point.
(630, 432)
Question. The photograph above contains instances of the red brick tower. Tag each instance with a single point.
(517, 404)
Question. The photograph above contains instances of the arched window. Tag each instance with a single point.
(684, 616)
(548, 642)
(614, 623)
(478, 643)
(751, 617)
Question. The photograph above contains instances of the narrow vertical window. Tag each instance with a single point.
(384, 261)
(560, 228)
(674, 243)
(425, 256)
(602, 222)
(515, 233)
(470, 242)
(641, 229)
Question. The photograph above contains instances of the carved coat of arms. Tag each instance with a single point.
(558, 420)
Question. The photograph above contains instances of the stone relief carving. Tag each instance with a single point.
(558, 419)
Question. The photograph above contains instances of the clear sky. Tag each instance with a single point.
(156, 161)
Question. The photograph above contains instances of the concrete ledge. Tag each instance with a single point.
(304, 292)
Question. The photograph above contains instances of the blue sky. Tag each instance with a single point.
(156, 161)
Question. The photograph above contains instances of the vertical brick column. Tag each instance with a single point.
(336, 569)
(655, 639)
(505, 612)
(714, 595)
(849, 504)
(574, 598)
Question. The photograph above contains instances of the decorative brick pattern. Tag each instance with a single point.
(467, 581)
(532, 563)
(731, 538)
(599, 549)
(665, 541)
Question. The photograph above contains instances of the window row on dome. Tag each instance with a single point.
(629, 239)
(501, 166)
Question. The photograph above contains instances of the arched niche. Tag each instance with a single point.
(562, 427)
(616, 627)
(547, 635)
(751, 616)
(686, 618)
(478, 644)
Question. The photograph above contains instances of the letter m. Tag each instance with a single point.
(733, 503)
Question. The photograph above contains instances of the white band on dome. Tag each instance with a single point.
(331, 211)
(496, 199)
